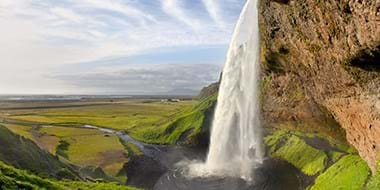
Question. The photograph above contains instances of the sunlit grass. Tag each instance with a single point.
(97, 150)
(151, 122)
(69, 131)
(350, 172)
(90, 147)
(137, 117)
(306, 158)
(117, 116)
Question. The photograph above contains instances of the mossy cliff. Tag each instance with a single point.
(321, 69)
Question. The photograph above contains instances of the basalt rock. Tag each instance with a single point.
(321, 63)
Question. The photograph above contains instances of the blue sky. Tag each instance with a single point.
(113, 46)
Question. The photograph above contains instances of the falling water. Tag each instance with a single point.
(235, 146)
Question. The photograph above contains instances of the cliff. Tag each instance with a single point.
(321, 69)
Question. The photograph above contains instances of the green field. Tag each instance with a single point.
(55, 127)
(150, 121)
(121, 115)
(90, 147)
(129, 115)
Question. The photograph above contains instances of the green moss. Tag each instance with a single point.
(273, 141)
(335, 156)
(350, 172)
(374, 182)
(306, 158)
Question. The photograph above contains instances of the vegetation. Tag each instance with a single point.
(12, 179)
(89, 147)
(374, 182)
(306, 158)
(335, 165)
(21, 130)
(122, 115)
(23, 153)
(191, 120)
(350, 172)
(141, 119)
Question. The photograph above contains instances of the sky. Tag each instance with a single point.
(113, 46)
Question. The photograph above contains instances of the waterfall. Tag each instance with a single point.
(235, 144)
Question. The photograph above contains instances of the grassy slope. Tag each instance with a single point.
(11, 178)
(192, 119)
(350, 172)
(21, 130)
(23, 153)
(345, 171)
(308, 159)
(90, 147)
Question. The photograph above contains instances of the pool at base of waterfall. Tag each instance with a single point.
(271, 175)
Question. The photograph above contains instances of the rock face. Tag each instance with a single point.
(321, 63)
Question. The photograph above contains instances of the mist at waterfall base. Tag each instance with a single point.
(235, 143)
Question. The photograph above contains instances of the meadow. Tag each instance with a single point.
(54, 126)
(120, 115)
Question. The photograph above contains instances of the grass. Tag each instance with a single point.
(121, 116)
(23, 153)
(138, 118)
(21, 130)
(148, 121)
(374, 182)
(98, 150)
(90, 147)
(132, 149)
(68, 131)
(12, 178)
(346, 169)
(350, 172)
(306, 158)
(193, 119)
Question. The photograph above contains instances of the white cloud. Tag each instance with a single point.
(119, 6)
(38, 36)
(175, 9)
(67, 14)
(214, 9)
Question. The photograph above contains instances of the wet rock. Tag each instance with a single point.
(143, 171)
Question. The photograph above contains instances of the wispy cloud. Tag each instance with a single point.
(175, 9)
(38, 36)
(67, 14)
(214, 9)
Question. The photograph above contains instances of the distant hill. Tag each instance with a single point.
(209, 90)
(24, 154)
